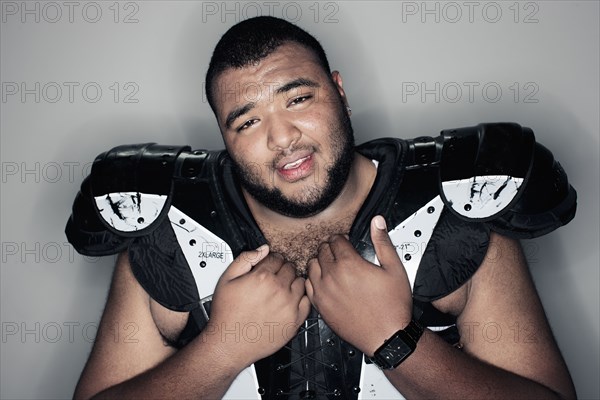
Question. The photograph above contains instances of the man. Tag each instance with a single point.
(317, 280)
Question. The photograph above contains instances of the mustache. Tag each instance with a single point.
(291, 150)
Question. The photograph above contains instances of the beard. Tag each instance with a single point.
(313, 199)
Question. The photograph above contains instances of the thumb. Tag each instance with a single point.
(244, 262)
(384, 248)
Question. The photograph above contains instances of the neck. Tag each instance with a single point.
(360, 179)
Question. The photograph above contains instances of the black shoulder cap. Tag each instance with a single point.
(497, 173)
(144, 168)
(127, 194)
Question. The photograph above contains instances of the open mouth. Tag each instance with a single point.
(296, 169)
(295, 164)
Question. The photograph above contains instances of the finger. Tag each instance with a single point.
(325, 255)
(384, 248)
(314, 270)
(272, 263)
(310, 291)
(244, 262)
(297, 285)
(303, 310)
(341, 247)
(287, 272)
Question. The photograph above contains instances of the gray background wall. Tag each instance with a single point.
(80, 77)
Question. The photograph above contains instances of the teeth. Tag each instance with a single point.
(294, 164)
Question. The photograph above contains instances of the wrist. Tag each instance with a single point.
(382, 333)
(398, 347)
(227, 350)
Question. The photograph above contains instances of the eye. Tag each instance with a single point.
(300, 99)
(246, 125)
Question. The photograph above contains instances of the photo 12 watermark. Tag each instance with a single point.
(326, 12)
(452, 12)
(452, 249)
(66, 331)
(70, 92)
(24, 172)
(56, 12)
(470, 91)
(253, 92)
(494, 332)
(37, 252)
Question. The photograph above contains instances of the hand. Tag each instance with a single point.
(363, 303)
(257, 307)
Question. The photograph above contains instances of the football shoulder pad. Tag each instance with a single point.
(497, 173)
(126, 195)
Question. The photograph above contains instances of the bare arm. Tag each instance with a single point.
(509, 351)
(144, 366)
(206, 367)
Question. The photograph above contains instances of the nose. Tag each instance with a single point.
(282, 135)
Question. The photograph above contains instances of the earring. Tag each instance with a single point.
(349, 109)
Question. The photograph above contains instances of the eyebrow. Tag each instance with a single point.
(297, 83)
(238, 111)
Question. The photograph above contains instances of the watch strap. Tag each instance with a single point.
(398, 347)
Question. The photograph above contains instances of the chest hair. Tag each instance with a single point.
(300, 245)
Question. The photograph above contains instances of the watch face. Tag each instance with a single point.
(396, 351)
(398, 347)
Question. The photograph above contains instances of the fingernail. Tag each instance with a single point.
(379, 222)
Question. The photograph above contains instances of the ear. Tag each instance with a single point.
(336, 77)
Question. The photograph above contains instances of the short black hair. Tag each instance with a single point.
(252, 40)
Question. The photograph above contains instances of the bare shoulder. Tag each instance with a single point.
(502, 320)
(169, 323)
(503, 271)
(128, 341)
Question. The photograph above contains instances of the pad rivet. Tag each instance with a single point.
(261, 390)
(417, 233)
(308, 394)
(202, 264)
(182, 221)
(192, 242)
(430, 210)
(467, 207)
(140, 220)
(407, 257)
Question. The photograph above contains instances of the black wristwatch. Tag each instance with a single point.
(397, 348)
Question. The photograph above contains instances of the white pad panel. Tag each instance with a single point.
(481, 196)
(130, 211)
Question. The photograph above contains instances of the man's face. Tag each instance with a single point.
(286, 127)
